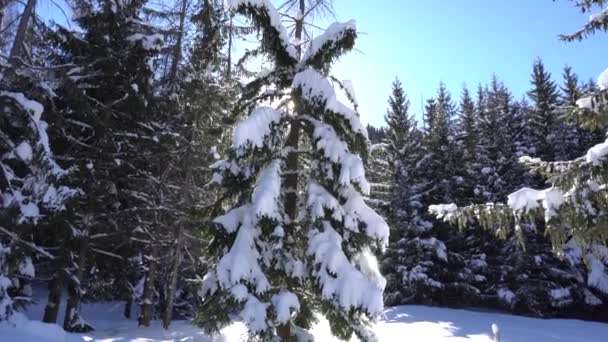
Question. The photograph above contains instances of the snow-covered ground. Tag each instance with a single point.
(405, 323)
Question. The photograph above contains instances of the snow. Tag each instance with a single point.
(24, 151)
(285, 303)
(443, 210)
(596, 154)
(350, 91)
(254, 314)
(602, 81)
(526, 199)
(33, 107)
(585, 103)
(352, 170)
(255, 129)
(560, 296)
(340, 281)
(275, 20)
(316, 89)
(357, 211)
(152, 42)
(26, 267)
(266, 194)
(410, 323)
(599, 17)
(506, 295)
(598, 275)
(333, 33)
(29, 211)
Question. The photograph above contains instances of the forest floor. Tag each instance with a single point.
(404, 323)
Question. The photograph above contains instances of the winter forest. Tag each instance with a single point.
(193, 170)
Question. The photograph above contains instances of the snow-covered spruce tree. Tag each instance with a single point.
(577, 139)
(379, 172)
(408, 244)
(106, 125)
(274, 271)
(30, 181)
(573, 209)
(425, 268)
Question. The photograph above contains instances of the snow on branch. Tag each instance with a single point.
(341, 282)
(358, 212)
(337, 39)
(352, 170)
(443, 210)
(597, 22)
(149, 42)
(255, 129)
(353, 214)
(265, 14)
(316, 89)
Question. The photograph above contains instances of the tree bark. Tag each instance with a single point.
(17, 48)
(229, 64)
(147, 305)
(72, 321)
(290, 185)
(177, 260)
(127, 311)
(54, 298)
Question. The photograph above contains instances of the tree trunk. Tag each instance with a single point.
(177, 259)
(147, 304)
(3, 5)
(290, 185)
(177, 51)
(229, 64)
(127, 311)
(54, 298)
(17, 48)
(73, 321)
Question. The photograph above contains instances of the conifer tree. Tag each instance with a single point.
(105, 126)
(572, 209)
(271, 268)
(543, 123)
(32, 184)
(468, 119)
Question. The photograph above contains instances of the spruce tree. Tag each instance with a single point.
(572, 209)
(106, 126)
(468, 119)
(32, 183)
(544, 121)
(274, 270)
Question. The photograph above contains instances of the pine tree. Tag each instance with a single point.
(271, 268)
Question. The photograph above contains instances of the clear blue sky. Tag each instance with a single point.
(457, 41)
(460, 41)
